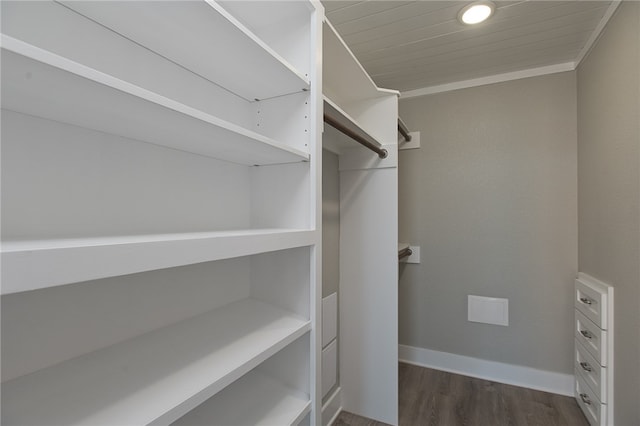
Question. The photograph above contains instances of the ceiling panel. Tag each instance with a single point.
(410, 45)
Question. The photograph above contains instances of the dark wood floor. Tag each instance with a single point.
(436, 398)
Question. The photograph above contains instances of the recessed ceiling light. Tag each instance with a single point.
(476, 12)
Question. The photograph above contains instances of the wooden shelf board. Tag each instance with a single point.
(43, 84)
(254, 399)
(34, 264)
(155, 378)
(216, 46)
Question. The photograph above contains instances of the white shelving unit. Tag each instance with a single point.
(160, 197)
(368, 233)
(346, 80)
(168, 27)
(30, 265)
(58, 89)
(278, 404)
(157, 377)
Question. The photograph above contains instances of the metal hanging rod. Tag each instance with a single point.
(404, 130)
(382, 153)
(405, 252)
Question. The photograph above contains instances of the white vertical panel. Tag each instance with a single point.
(280, 196)
(329, 367)
(315, 210)
(281, 278)
(291, 366)
(368, 293)
(329, 318)
(285, 119)
(374, 116)
(267, 19)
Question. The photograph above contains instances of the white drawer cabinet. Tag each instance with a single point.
(594, 374)
(592, 337)
(595, 411)
(594, 349)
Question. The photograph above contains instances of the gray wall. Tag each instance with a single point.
(491, 199)
(609, 189)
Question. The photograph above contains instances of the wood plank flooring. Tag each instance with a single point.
(436, 398)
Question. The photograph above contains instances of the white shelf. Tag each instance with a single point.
(338, 141)
(34, 264)
(344, 78)
(155, 378)
(254, 399)
(202, 37)
(40, 83)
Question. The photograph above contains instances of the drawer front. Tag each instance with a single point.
(592, 302)
(593, 409)
(591, 371)
(592, 338)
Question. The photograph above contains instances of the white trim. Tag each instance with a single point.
(498, 78)
(547, 381)
(332, 408)
(595, 35)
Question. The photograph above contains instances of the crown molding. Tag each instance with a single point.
(597, 32)
(492, 79)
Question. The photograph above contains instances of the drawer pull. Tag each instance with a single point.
(586, 334)
(585, 398)
(586, 367)
(586, 300)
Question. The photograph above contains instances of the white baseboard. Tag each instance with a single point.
(547, 381)
(332, 408)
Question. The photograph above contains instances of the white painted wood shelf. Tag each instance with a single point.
(338, 141)
(344, 78)
(90, 90)
(368, 265)
(254, 399)
(203, 37)
(34, 264)
(43, 84)
(155, 378)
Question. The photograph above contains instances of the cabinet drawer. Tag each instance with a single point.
(593, 409)
(591, 371)
(591, 300)
(592, 338)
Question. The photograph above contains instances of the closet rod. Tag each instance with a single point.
(404, 253)
(404, 130)
(382, 153)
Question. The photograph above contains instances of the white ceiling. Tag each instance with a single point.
(408, 45)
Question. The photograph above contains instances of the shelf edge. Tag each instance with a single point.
(61, 63)
(33, 268)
